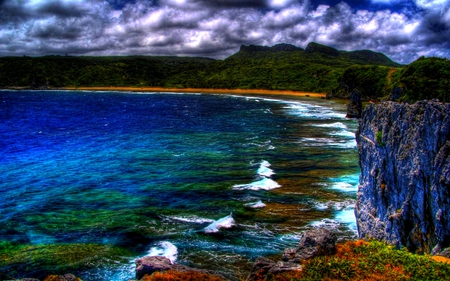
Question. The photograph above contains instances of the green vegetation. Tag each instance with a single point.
(426, 78)
(318, 68)
(282, 67)
(379, 138)
(374, 260)
(372, 81)
(41, 260)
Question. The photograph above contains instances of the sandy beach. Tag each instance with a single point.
(203, 90)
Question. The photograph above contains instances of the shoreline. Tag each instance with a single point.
(202, 90)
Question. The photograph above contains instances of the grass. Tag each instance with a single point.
(373, 260)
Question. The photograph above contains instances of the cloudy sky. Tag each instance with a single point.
(402, 29)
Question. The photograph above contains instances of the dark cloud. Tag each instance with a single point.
(63, 9)
(217, 28)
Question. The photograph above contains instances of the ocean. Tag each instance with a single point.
(210, 181)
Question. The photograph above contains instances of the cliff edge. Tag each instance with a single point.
(404, 188)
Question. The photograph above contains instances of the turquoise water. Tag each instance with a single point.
(212, 181)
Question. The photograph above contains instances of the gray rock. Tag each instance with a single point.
(354, 107)
(445, 253)
(313, 243)
(260, 268)
(404, 156)
(150, 264)
(316, 242)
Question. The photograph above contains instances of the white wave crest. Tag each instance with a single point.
(256, 205)
(192, 219)
(164, 249)
(344, 186)
(264, 184)
(225, 222)
(264, 169)
(338, 125)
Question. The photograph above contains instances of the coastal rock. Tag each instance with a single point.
(260, 268)
(313, 243)
(404, 189)
(65, 277)
(316, 242)
(354, 107)
(149, 264)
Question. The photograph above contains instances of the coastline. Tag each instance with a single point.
(202, 90)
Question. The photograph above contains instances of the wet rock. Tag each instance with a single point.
(65, 277)
(313, 243)
(404, 190)
(260, 268)
(354, 107)
(316, 242)
(150, 264)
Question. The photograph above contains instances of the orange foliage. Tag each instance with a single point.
(57, 278)
(441, 259)
(172, 275)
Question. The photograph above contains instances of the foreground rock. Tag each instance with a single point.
(404, 191)
(316, 242)
(150, 264)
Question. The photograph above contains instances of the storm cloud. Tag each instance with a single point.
(403, 30)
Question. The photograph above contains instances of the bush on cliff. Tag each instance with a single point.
(426, 78)
(373, 260)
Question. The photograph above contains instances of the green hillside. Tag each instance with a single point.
(282, 67)
(425, 78)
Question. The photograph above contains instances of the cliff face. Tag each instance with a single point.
(404, 190)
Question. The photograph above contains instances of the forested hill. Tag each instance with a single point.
(282, 66)
(317, 68)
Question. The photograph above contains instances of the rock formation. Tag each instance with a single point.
(149, 264)
(354, 107)
(316, 242)
(404, 188)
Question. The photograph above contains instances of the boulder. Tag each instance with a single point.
(354, 107)
(316, 242)
(149, 264)
(260, 268)
(313, 243)
(65, 277)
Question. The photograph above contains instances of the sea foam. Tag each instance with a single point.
(264, 169)
(164, 249)
(225, 222)
(256, 205)
(338, 125)
(264, 183)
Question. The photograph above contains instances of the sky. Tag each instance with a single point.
(404, 30)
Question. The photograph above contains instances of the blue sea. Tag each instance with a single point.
(210, 181)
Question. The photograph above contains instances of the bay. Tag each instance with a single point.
(212, 181)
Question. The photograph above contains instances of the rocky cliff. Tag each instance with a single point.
(404, 190)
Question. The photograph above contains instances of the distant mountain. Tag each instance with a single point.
(317, 68)
(317, 52)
